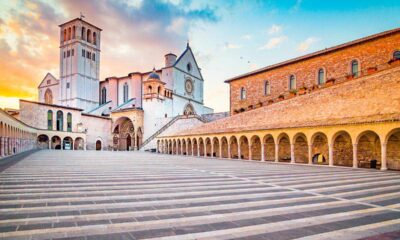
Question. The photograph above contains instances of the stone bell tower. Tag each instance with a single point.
(79, 64)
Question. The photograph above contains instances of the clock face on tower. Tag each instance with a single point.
(188, 86)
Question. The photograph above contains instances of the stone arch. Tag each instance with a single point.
(369, 149)
(184, 147)
(68, 143)
(195, 147)
(89, 36)
(123, 134)
(188, 110)
(244, 147)
(300, 148)
(139, 138)
(178, 147)
(208, 147)
(393, 149)
(56, 142)
(233, 143)
(201, 147)
(255, 143)
(60, 120)
(174, 147)
(224, 147)
(284, 151)
(79, 143)
(269, 147)
(320, 148)
(48, 96)
(43, 141)
(215, 144)
(189, 147)
(342, 149)
(170, 146)
(99, 145)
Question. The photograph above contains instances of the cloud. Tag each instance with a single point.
(232, 46)
(274, 42)
(247, 37)
(305, 45)
(274, 29)
(136, 35)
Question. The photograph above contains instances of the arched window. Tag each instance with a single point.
(149, 89)
(60, 117)
(242, 93)
(88, 37)
(83, 33)
(321, 76)
(159, 90)
(48, 97)
(65, 35)
(69, 122)
(50, 120)
(292, 82)
(69, 33)
(125, 92)
(354, 68)
(396, 55)
(189, 110)
(189, 67)
(103, 95)
(94, 38)
(73, 32)
(267, 88)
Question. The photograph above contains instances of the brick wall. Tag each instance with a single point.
(372, 53)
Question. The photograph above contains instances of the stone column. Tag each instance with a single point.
(49, 143)
(292, 157)
(229, 151)
(262, 152)
(1, 146)
(191, 145)
(220, 150)
(187, 149)
(384, 157)
(355, 160)
(212, 150)
(205, 150)
(239, 152)
(331, 154)
(276, 152)
(250, 153)
(198, 149)
(310, 154)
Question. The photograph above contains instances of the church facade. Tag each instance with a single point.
(117, 113)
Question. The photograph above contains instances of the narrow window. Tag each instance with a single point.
(65, 35)
(69, 122)
(94, 57)
(83, 32)
(103, 95)
(292, 82)
(60, 117)
(73, 31)
(49, 120)
(69, 33)
(125, 92)
(354, 68)
(242, 93)
(68, 53)
(83, 52)
(67, 84)
(64, 54)
(396, 55)
(321, 76)
(94, 38)
(72, 52)
(88, 37)
(267, 88)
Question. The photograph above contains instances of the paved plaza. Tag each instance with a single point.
(129, 195)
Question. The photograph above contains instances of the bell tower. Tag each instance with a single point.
(79, 64)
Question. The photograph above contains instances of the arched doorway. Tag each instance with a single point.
(123, 131)
(284, 152)
(201, 147)
(67, 143)
(208, 147)
(224, 147)
(189, 147)
(342, 150)
(43, 141)
(56, 142)
(215, 147)
(300, 148)
(184, 147)
(320, 149)
(244, 148)
(393, 150)
(139, 138)
(369, 150)
(269, 148)
(195, 147)
(234, 147)
(79, 144)
(98, 145)
(255, 148)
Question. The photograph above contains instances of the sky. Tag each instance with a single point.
(228, 38)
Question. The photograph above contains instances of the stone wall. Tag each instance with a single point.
(336, 65)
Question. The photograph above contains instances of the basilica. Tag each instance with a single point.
(117, 113)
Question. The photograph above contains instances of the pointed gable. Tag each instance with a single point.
(188, 64)
(48, 80)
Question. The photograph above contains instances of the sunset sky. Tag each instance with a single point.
(228, 37)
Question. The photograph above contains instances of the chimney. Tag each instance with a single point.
(170, 59)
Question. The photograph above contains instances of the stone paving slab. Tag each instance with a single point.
(133, 195)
